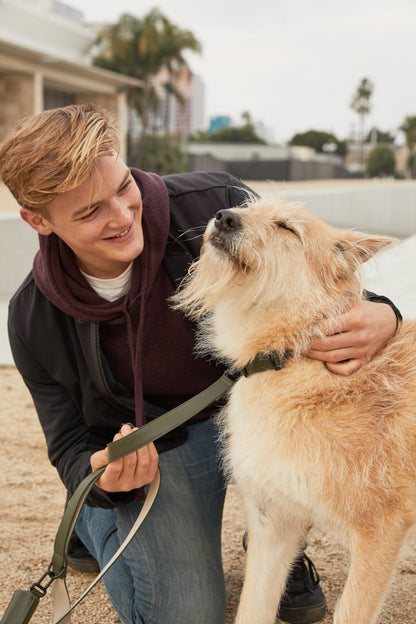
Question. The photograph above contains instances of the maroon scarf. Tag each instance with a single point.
(57, 276)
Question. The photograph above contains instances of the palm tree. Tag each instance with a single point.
(142, 48)
(409, 129)
(360, 103)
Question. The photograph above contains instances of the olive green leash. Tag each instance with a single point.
(23, 603)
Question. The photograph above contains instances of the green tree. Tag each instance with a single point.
(360, 103)
(320, 141)
(409, 129)
(381, 161)
(235, 134)
(161, 154)
(142, 48)
(200, 136)
(378, 136)
(246, 117)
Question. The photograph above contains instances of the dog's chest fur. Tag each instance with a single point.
(268, 444)
(313, 440)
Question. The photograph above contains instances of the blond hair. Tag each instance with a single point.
(54, 152)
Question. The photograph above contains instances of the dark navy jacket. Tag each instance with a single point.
(79, 404)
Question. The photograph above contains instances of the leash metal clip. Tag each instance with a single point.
(43, 588)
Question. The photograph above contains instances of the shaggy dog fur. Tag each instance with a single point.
(305, 446)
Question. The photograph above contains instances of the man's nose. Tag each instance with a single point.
(118, 211)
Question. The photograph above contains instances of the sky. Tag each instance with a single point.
(294, 65)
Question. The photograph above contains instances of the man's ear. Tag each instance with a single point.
(36, 221)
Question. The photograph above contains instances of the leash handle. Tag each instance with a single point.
(20, 608)
(62, 607)
(68, 522)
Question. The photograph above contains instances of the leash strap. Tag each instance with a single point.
(120, 448)
(267, 361)
(170, 420)
(61, 604)
(129, 444)
(116, 450)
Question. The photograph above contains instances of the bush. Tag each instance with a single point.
(317, 140)
(160, 154)
(381, 161)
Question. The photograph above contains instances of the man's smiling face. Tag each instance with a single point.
(100, 220)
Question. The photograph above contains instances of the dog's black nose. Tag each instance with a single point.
(226, 220)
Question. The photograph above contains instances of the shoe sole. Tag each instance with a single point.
(83, 565)
(303, 615)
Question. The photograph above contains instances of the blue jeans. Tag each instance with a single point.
(171, 573)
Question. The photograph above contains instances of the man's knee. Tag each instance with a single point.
(195, 599)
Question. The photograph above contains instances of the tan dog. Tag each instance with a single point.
(305, 446)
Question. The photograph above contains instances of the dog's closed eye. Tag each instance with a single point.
(285, 226)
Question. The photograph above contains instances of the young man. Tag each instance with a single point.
(97, 344)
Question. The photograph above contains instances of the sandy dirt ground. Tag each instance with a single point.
(32, 500)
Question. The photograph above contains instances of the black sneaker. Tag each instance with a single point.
(79, 557)
(303, 601)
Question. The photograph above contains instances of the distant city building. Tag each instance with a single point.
(198, 104)
(249, 161)
(218, 123)
(61, 8)
(45, 62)
(178, 117)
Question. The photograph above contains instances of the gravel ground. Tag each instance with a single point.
(32, 500)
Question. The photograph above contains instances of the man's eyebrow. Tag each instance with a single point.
(80, 211)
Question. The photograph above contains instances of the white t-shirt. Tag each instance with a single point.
(112, 288)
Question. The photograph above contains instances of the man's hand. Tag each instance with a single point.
(359, 335)
(128, 473)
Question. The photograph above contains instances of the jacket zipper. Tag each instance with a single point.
(99, 373)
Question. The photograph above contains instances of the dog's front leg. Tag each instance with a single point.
(273, 544)
(374, 554)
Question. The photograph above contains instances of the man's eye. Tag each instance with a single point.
(90, 213)
(126, 185)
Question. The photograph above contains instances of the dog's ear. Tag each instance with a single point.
(361, 246)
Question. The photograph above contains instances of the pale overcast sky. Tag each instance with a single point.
(294, 64)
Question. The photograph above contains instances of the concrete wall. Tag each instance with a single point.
(18, 245)
(380, 208)
(374, 207)
(272, 169)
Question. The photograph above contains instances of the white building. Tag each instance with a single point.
(43, 46)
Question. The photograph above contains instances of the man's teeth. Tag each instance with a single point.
(122, 233)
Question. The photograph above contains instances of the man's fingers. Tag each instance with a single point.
(147, 462)
(328, 343)
(99, 459)
(337, 355)
(344, 368)
(127, 473)
(333, 326)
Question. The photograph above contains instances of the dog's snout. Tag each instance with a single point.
(227, 220)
